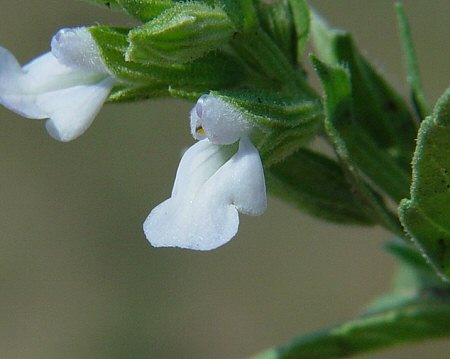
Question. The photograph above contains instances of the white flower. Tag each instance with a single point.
(215, 180)
(67, 85)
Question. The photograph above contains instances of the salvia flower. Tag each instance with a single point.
(218, 177)
(67, 85)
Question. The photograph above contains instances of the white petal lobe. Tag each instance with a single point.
(71, 111)
(247, 179)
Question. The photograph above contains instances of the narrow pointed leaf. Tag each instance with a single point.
(301, 17)
(276, 19)
(378, 109)
(350, 140)
(417, 94)
(351, 146)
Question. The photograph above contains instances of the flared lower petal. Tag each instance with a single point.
(71, 111)
(210, 189)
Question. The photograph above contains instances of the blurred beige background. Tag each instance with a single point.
(77, 276)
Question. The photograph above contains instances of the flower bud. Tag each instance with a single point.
(182, 33)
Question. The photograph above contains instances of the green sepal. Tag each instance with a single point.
(350, 138)
(412, 69)
(318, 185)
(143, 10)
(182, 33)
(355, 150)
(426, 216)
(215, 70)
(281, 124)
(378, 109)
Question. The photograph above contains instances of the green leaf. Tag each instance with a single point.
(323, 38)
(426, 216)
(143, 10)
(378, 109)
(258, 50)
(417, 94)
(355, 150)
(412, 321)
(182, 33)
(287, 23)
(301, 17)
(242, 12)
(281, 124)
(317, 185)
(276, 20)
(216, 70)
(350, 140)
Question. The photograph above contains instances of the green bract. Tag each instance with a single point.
(142, 81)
(180, 34)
